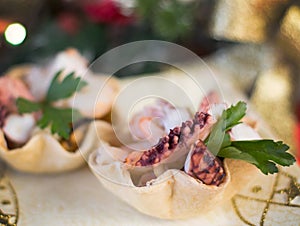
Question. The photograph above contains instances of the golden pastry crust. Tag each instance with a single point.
(45, 154)
(173, 194)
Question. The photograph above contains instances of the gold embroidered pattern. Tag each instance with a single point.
(9, 210)
(291, 192)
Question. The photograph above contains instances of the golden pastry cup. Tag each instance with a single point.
(45, 154)
(174, 194)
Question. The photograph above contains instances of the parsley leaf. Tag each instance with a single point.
(61, 90)
(216, 136)
(27, 106)
(234, 153)
(229, 118)
(262, 153)
(59, 119)
(234, 114)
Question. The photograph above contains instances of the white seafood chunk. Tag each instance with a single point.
(155, 120)
(95, 99)
(244, 132)
(18, 128)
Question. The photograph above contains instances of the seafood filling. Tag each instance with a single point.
(205, 166)
(199, 163)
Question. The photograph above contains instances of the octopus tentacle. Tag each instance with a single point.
(183, 135)
(203, 165)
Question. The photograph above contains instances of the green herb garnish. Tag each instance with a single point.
(264, 154)
(60, 119)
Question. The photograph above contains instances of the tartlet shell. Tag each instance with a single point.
(174, 194)
(44, 154)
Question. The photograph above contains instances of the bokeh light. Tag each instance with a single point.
(15, 33)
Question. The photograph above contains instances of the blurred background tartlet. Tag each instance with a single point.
(28, 145)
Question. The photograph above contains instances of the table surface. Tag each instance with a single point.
(78, 198)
